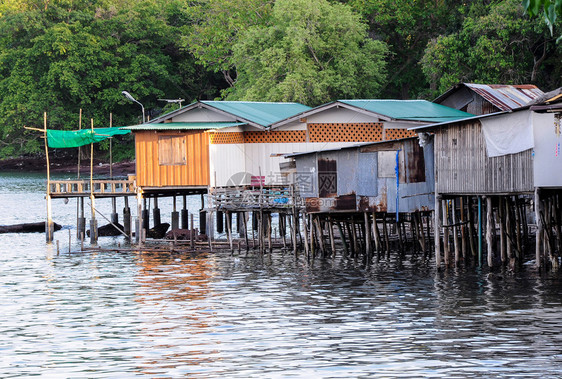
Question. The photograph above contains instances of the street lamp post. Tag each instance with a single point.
(128, 96)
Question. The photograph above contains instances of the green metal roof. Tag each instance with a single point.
(184, 126)
(261, 113)
(412, 110)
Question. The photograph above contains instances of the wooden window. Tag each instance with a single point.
(327, 178)
(171, 151)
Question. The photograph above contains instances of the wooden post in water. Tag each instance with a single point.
(229, 231)
(140, 222)
(305, 235)
(367, 235)
(489, 231)
(330, 224)
(376, 233)
(127, 217)
(446, 249)
(184, 215)
(342, 236)
(502, 207)
(455, 232)
(437, 230)
(175, 215)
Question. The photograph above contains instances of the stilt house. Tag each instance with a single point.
(229, 143)
(506, 160)
(388, 177)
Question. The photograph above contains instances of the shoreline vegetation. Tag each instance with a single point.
(37, 164)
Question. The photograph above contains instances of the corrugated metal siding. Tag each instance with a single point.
(151, 174)
(462, 166)
(360, 188)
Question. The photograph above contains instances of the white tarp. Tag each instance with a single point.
(508, 134)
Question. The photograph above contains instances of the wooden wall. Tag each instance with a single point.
(463, 167)
(150, 173)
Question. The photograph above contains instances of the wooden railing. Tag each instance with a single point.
(100, 187)
(231, 198)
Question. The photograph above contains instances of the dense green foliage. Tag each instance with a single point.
(312, 52)
(60, 56)
(495, 44)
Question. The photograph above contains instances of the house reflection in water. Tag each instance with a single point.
(176, 319)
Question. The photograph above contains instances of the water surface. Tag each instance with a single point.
(122, 314)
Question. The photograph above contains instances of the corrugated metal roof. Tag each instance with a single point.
(503, 96)
(184, 126)
(412, 110)
(262, 113)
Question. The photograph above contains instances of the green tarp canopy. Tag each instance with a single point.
(77, 138)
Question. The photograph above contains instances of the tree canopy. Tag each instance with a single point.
(60, 56)
(495, 44)
(312, 52)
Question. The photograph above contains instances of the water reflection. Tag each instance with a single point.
(123, 314)
(173, 290)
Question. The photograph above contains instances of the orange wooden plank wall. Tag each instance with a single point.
(151, 174)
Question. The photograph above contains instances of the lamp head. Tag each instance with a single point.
(128, 95)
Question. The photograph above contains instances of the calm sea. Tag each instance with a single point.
(121, 315)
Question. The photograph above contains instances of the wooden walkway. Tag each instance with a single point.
(83, 188)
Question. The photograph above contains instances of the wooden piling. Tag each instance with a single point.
(489, 231)
(437, 230)
(446, 248)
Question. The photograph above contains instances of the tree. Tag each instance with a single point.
(407, 26)
(63, 56)
(552, 9)
(217, 26)
(494, 45)
(312, 52)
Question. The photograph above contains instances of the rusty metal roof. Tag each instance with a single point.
(503, 96)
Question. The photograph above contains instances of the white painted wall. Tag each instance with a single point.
(547, 163)
(202, 115)
(259, 156)
(225, 161)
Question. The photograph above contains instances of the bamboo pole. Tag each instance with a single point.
(93, 226)
(49, 226)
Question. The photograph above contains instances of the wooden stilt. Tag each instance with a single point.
(489, 232)
(376, 233)
(509, 231)
(343, 240)
(463, 229)
(386, 236)
(437, 230)
(312, 241)
(368, 249)
(471, 229)
(353, 237)
(229, 231)
(330, 225)
(319, 236)
(305, 236)
(502, 206)
(245, 220)
(446, 249)
(455, 232)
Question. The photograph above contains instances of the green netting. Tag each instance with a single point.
(77, 138)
